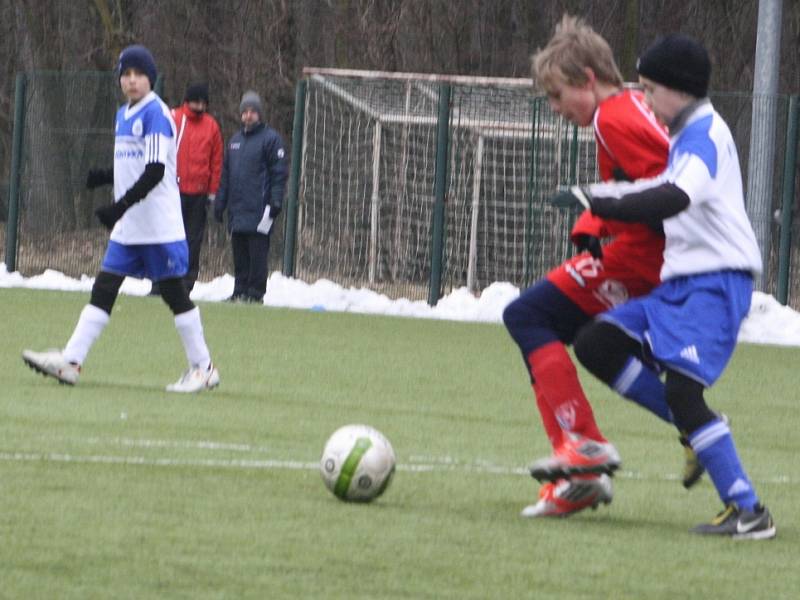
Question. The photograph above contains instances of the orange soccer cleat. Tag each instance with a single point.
(569, 496)
(577, 455)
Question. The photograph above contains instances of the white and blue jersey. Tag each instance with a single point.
(713, 233)
(691, 321)
(149, 239)
(145, 133)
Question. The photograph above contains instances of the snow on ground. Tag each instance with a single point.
(768, 322)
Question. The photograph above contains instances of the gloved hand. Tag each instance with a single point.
(589, 243)
(274, 211)
(572, 197)
(97, 177)
(111, 213)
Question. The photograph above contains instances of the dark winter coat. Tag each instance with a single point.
(254, 173)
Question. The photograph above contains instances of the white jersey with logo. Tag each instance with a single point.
(713, 233)
(145, 133)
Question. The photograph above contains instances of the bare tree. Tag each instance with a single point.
(263, 44)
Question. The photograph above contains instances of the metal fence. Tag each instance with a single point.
(370, 152)
(363, 202)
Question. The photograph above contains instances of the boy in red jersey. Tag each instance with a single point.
(583, 84)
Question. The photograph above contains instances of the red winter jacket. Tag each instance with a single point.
(199, 151)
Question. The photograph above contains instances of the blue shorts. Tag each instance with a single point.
(154, 261)
(689, 324)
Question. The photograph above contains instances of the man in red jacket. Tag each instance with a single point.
(199, 167)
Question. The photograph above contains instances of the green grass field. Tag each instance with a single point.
(116, 489)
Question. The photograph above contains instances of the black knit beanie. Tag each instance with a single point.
(196, 92)
(138, 57)
(678, 62)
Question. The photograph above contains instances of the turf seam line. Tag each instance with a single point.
(297, 465)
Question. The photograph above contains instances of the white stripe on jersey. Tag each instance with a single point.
(651, 118)
(145, 133)
(646, 113)
(599, 135)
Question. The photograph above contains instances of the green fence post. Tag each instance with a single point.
(789, 171)
(292, 200)
(16, 162)
(573, 157)
(533, 188)
(439, 191)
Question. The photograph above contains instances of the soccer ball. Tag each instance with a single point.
(357, 463)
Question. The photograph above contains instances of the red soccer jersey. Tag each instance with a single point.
(632, 142)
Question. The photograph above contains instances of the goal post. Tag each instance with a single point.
(366, 188)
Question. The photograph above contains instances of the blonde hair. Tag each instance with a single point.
(573, 47)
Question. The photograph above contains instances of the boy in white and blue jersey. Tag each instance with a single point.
(687, 326)
(144, 137)
(147, 234)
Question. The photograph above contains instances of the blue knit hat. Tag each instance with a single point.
(138, 57)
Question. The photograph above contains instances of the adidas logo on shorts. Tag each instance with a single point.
(690, 353)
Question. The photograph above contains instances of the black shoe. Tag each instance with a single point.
(235, 298)
(740, 524)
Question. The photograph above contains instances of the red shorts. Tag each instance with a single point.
(597, 285)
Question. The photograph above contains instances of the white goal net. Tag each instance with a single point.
(366, 192)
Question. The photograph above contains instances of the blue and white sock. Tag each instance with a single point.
(714, 446)
(640, 384)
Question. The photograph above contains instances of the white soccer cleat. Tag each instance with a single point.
(196, 380)
(53, 364)
(566, 497)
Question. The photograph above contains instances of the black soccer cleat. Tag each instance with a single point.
(740, 524)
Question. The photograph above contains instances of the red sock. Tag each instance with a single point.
(557, 378)
(551, 426)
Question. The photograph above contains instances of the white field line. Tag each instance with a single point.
(416, 464)
(194, 444)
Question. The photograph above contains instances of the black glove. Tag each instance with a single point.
(572, 197)
(98, 177)
(589, 243)
(274, 211)
(111, 213)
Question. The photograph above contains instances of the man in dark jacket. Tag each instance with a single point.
(253, 182)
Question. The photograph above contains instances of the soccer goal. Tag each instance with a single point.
(365, 196)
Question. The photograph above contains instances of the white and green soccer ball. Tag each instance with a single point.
(357, 463)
